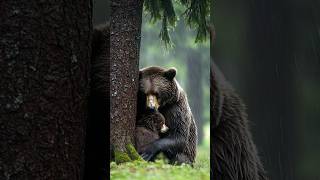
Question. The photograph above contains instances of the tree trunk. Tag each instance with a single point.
(44, 58)
(195, 91)
(125, 32)
(271, 79)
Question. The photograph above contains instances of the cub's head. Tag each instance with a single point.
(158, 87)
(153, 121)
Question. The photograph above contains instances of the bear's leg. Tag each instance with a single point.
(180, 158)
(177, 158)
(168, 145)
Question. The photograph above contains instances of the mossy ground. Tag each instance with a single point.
(160, 170)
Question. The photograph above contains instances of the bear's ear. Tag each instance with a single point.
(170, 73)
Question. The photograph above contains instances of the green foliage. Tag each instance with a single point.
(196, 14)
(152, 54)
(206, 138)
(162, 9)
(160, 170)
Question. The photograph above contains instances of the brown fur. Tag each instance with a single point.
(148, 129)
(233, 150)
(179, 143)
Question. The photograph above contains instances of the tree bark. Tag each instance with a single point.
(97, 138)
(195, 92)
(44, 58)
(271, 79)
(125, 32)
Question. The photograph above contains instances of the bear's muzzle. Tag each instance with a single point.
(152, 102)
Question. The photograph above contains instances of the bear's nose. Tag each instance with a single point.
(152, 102)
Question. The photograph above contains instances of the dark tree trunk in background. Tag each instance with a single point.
(259, 58)
(307, 72)
(276, 43)
(195, 92)
(97, 131)
(125, 27)
(101, 11)
(263, 73)
(44, 59)
(273, 85)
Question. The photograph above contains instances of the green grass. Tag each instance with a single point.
(160, 170)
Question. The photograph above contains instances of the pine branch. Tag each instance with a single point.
(196, 16)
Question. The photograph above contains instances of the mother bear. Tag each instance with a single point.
(179, 143)
(233, 151)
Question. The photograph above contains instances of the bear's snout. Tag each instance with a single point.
(152, 102)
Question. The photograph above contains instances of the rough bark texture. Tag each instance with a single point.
(195, 92)
(125, 32)
(97, 139)
(44, 58)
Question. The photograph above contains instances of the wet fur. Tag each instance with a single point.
(234, 153)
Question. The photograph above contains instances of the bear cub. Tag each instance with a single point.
(148, 129)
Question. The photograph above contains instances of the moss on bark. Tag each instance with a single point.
(130, 155)
(133, 153)
(121, 157)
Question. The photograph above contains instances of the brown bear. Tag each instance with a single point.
(148, 129)
(233, 150)
(179, 143)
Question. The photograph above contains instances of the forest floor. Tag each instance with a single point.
(160, 170)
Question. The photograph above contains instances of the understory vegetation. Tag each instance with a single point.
(161, 170)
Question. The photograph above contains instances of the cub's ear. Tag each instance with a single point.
(170, 73)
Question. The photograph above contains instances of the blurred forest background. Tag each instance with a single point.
(191, 60)
(270, 52)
